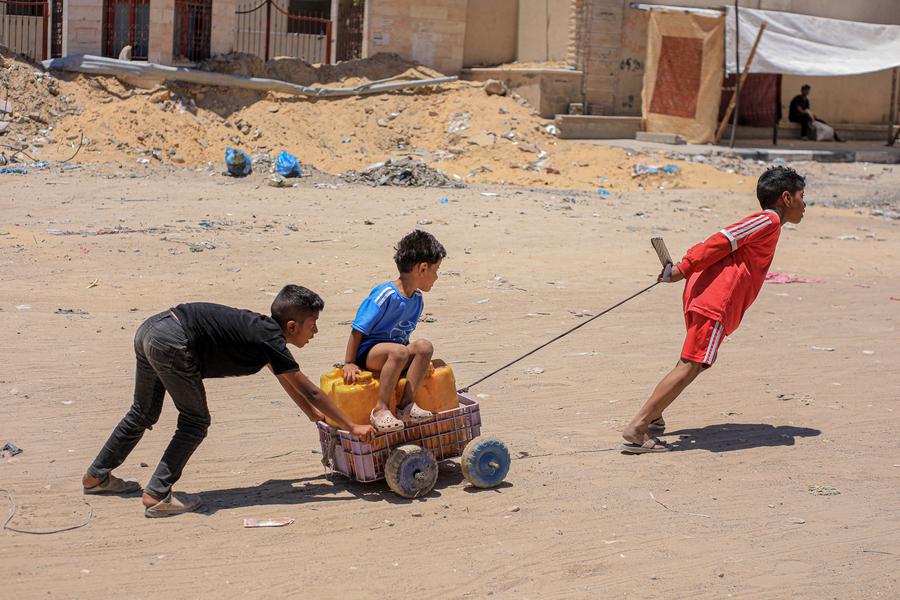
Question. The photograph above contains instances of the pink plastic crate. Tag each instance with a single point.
(444, 436)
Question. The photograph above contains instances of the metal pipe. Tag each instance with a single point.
(101, 65)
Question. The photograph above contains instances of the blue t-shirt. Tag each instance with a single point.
(386, 315)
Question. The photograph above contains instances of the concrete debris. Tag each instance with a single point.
(408, 172)
(494, 87)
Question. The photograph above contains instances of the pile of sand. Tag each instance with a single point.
(31, 100)
(457, 128)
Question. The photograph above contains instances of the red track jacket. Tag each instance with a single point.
(724, 274)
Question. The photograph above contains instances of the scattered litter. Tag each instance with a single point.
(551, 171)
(94, 283)
(278, 182)
(13, 171)
(821, 349)
(643, 170)
(201, 246)
(823, 490)
(796, 520)
(268, 522)
(804, 398)
(534, 371)
(416, 514)
(868, 352)
(776, 277)
(483, 301)
(894, 298)
(68, 402)
(459, 122)
(325, 186)
(855, 238)
(238, 163)
(14, 508)
(490, 194)
(401, 172)
(287, 165)
(70, 311)
(233, 269)
(514, 509)
(23, 307)
(11, 448)
(445, 200)
(603, 192)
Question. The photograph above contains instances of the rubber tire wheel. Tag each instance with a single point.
(477, 459)
(411, 471)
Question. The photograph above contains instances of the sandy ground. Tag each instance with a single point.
(733, 512)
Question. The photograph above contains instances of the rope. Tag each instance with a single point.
(560, 336)
(14, 508)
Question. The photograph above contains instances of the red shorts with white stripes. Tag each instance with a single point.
(704, 336)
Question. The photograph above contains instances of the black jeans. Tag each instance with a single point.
(164, 364)
(805, 122)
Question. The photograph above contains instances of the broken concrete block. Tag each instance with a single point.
(494, 87)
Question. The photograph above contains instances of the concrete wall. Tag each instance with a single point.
(162, 30)
(491, 32)
(548, 91)
(431, 32)
(544, 27)
(82, 31)
(614, 48)
(223, 22)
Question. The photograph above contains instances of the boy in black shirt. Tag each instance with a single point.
(180, 347)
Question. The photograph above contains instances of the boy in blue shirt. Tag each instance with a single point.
(379, 339)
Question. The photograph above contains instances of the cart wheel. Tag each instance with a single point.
(411, 471)
(485, 462)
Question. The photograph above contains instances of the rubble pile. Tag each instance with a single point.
(450, 133)
(401, 172)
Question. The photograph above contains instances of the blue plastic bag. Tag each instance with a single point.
(287, 165)
(237, 162)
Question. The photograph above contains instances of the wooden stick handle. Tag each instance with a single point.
(730, 109)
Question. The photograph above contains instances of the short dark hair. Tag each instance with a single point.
(415, 248)
(805, 86)
(774, 182)
(295, 302)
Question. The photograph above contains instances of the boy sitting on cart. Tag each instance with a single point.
(379, 338)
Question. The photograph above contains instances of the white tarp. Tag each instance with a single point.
(795, 44)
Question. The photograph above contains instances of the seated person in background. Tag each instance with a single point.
(800, 112)
(379, 338)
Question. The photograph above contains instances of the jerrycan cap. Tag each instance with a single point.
(364, 378)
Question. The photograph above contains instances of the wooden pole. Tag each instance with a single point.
(737, 76)
(893, 112)
(741, 79)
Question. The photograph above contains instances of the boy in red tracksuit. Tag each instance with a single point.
(723, 277)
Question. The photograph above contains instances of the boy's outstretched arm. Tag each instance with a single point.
(308, 395)
(351, 369)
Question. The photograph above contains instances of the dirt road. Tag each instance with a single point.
(784, 478)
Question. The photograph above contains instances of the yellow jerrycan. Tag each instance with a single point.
(436, 394)
(356, 399)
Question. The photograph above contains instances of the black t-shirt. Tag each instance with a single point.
(230, 341)
(797, 103)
